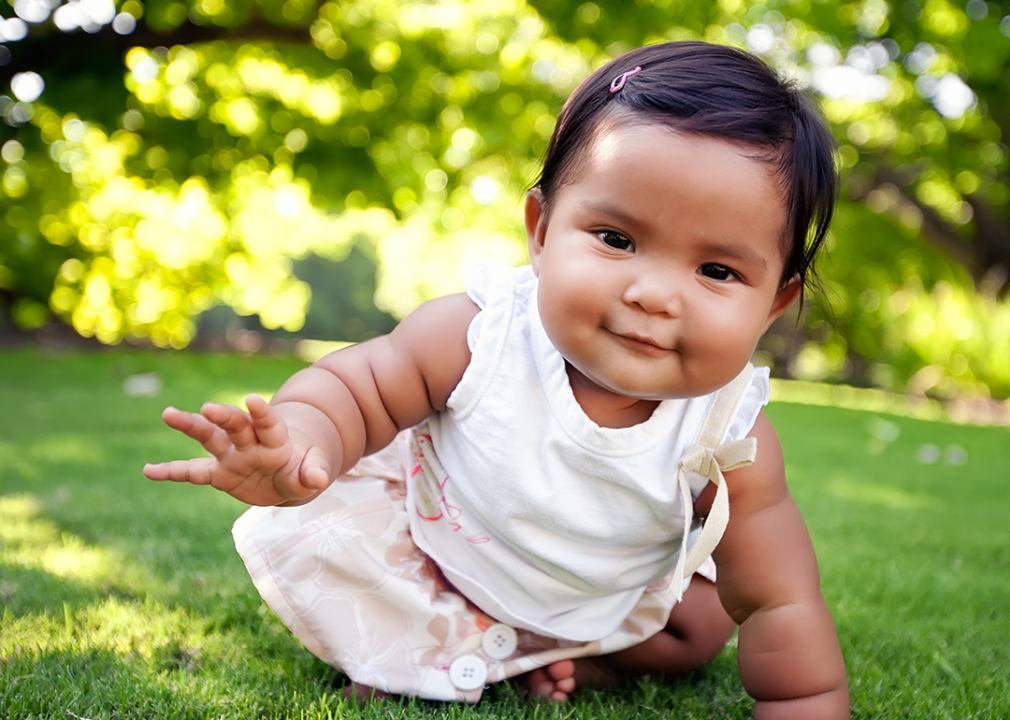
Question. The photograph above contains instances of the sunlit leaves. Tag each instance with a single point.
(15, 177)
(947, 22)
(904, 307)
(161, 253)
(215, 222)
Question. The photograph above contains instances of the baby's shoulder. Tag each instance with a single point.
(763, 482)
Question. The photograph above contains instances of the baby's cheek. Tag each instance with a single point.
(721, 342)
(740, 324)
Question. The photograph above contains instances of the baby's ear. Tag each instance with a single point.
(536, 227)
(784, 299)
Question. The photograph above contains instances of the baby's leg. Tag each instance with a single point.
(697, 630)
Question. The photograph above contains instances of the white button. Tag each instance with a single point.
(499, 641)
(468, 672)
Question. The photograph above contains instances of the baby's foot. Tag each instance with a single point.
(361, 693)
(554, 682)
(559, 680)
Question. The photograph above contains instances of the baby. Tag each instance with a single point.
(513, 480)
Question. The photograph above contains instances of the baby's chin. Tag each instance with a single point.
(701, 379)
(683, 386)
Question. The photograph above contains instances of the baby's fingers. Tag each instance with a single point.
(212, 438)
(233, 421)
(269, 427)
(197, 471)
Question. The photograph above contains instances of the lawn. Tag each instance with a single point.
(124, 598)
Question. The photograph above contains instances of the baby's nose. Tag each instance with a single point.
(655, 295)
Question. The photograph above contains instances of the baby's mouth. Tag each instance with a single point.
(643, 342)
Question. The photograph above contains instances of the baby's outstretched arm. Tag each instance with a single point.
(788, 652)
(324, 418)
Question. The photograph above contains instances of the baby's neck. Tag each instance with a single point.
(606, 408)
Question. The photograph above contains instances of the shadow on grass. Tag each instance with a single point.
(27, 591)
(170, 683)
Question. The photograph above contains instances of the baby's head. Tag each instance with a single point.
(684, 195)
(717, 92)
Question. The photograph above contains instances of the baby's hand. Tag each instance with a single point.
(255, 459)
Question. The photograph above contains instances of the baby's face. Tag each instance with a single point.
(659, 265)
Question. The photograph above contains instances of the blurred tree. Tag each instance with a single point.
(206, 166)
(163, 157)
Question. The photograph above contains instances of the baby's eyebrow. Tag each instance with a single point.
(606, 208)
(740, 253)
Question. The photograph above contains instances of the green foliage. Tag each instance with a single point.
(914, 321)
(123, 598)
(187, 164)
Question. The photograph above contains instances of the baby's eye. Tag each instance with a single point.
(616, 240)
(717, 272)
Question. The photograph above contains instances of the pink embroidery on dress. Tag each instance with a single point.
(451, 513)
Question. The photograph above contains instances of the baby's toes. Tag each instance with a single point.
(566, 686)
(561, 670)
(539, 683)
(563, 675)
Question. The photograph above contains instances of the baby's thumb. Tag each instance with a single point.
(315, 472)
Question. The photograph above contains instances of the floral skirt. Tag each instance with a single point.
(344, 575)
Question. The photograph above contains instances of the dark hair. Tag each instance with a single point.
(719, 92)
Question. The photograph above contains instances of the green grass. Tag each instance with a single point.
(124, 598)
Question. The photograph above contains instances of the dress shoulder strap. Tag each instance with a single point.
(710, 457)
(721, 411)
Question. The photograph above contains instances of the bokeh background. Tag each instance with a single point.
(175, 172)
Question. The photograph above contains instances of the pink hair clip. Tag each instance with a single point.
(618, 82)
